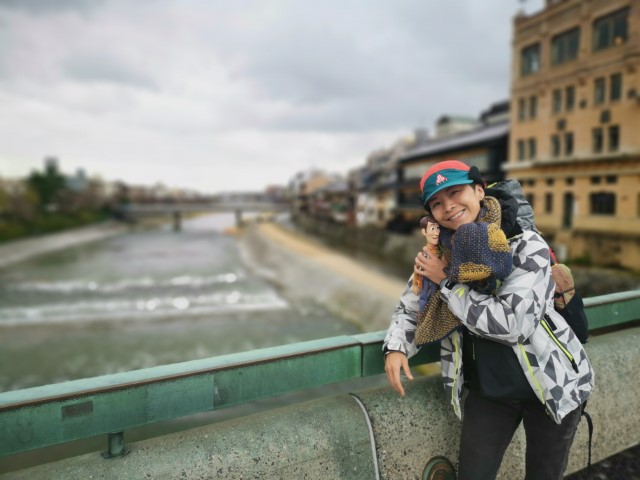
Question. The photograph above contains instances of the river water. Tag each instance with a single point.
(142, 299)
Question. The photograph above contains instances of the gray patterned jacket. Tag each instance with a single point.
(514, 317)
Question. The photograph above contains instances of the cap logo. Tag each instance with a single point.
(440, 178)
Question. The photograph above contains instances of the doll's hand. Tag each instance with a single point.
(430, 266)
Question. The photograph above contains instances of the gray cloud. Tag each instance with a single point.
(45, 7)
(102, 67)
(297, 82)
(380, 65)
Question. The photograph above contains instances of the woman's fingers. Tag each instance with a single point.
(394, 363)
(405, 367)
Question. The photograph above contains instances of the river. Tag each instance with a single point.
(141, 299)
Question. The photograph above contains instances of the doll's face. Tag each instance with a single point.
(432, 233)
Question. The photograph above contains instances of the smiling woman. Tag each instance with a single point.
(502, 349)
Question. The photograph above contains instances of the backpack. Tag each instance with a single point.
(567, 301)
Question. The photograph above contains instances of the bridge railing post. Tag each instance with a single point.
(115, 446)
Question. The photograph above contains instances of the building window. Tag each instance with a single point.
(522, 109)
(569, 180)
(530, 198)
(521, 153)
(530, 59)
(615, 87)
(533, 107)
(569, 98)
(596, 180)
(557, 101)
(599, 91)
(550, 182)
(614, 138)
(611, 179)
(532, 148)
(568, 144)
(555, 145)
(610, 30)
(598, 140)
(603, 203)
(548, 203)
(564, 47)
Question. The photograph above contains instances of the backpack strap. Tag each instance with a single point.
(590, 425)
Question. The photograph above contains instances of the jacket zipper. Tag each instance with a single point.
(455, 376)
(564, 350)
(530, 370)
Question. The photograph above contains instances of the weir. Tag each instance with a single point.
(366, 434)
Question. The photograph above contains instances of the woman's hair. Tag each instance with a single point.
(476, 176)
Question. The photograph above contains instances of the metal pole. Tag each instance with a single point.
(116, 446)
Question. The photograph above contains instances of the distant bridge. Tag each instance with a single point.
(134, 211)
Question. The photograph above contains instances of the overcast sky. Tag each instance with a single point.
(221, 95)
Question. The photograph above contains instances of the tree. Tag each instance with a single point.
(48, 185)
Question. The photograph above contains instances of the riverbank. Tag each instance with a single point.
(20, 250)
(303, 268)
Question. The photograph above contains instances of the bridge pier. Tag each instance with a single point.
(177, 221)
(238, 218)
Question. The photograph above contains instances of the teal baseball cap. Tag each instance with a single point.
(442, 175)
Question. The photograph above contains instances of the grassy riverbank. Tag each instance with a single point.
(49, 223)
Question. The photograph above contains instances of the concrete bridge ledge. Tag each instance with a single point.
(327, 438)
(330, 438)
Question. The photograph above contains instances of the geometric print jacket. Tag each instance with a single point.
(551, 356)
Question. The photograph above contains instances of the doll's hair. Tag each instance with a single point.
(426, 220)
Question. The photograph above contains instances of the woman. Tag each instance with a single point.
(516, 356)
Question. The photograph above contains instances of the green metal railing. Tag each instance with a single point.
(53, 414)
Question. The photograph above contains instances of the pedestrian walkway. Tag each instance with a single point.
(623, 466)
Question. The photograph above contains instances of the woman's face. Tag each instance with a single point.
(456, 205)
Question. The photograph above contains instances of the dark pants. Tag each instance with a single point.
(487, 429)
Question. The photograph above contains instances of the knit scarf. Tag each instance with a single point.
(478, 255)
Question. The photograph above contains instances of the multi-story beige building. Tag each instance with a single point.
(575, 126)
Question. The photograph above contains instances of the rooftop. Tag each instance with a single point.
(484, 134)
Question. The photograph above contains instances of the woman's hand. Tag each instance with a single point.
(393, 362)
(430, 266)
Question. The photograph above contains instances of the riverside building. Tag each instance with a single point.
(574, 126)
(481, 143)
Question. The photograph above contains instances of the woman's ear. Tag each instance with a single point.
(479, 191)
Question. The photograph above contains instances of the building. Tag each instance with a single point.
(575, 118)
(302, 187)
(484, 146)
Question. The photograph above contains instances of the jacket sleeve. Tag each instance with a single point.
(514, 312)
(401, 333)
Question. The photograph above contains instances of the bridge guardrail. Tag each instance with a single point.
(53, 414)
